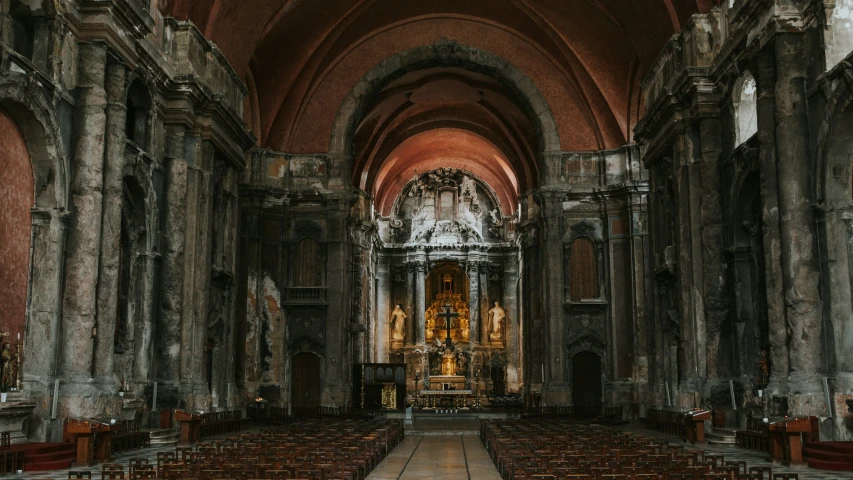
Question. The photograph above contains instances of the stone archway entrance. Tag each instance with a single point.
(586, 381)
(305, 375)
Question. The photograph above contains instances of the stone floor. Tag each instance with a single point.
(446, 457)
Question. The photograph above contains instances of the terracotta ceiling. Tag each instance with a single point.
(300, 60)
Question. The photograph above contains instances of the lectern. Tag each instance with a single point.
(694, 421)
(786, 443)
(190, 425)
(94, 439)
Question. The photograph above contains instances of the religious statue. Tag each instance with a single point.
(496, 318)
(398, 321)
(6, 378)
(448, 363)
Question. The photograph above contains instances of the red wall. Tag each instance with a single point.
(16, 199)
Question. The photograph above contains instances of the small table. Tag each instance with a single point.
(456, 397)
(190, 425)
(786, 444)
(694, 420)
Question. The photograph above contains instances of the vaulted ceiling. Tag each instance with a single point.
(300, 60)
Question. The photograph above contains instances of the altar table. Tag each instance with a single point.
(456, 397)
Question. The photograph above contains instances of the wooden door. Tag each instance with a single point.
(305, 378)
(586, 381)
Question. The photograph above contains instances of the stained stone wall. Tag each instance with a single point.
(133, 234)
(749, 237)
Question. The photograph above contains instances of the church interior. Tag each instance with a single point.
(345, 239)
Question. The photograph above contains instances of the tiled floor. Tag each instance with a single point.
(446, 457)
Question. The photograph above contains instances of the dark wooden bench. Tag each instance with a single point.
(755, 437)
(128, 437)
(670, 422)
(218, 423)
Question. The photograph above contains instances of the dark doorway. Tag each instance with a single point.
(586, 382)
(305, 374)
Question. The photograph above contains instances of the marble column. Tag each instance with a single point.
(474, 301)
(84, 232)
(801, 275)
(420, 301)
(776, 313)
(108, 276)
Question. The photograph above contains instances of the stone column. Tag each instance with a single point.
(713, 279)
(420, 301)
(168, 331)
(801, 274)
(474, 300)
(776, 313)
(409, 307)
(84, 233)
(553, 295)
(114, 142)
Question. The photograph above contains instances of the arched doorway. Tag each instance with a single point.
(305, 381)
(586, 382)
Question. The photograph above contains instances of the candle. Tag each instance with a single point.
(19, 336)
(543, 373)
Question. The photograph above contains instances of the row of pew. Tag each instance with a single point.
(561, 448)
(340, 449)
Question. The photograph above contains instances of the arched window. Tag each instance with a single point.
(583, 270)
(307, 266)
(138, 110)
(22, 28)
(745, 108)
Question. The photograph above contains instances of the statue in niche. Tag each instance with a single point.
(398, 322)
(496, 318)
(495, 216)
(6, 370)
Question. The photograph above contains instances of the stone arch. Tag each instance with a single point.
(745, 108)
(445, 54)
(30, 107)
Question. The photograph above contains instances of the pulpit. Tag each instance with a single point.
(190, 425)
(94, 439)
(786, 443)
(694, 421)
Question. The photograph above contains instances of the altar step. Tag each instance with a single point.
(47, 456)
(444, 424)
(721, 436)
(163, 437)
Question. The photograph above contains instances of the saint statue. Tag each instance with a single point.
(398, 321)
(496, 318)
(6, 369)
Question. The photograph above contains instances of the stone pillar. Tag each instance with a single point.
(553, 296)
(144, 331)
(84, 232)
(474, 300)
(420, 300)
(168, 331)
(114, 142)
(409, 307)
(689, 306)
(801, 274)
(713, 250)
(776, 313)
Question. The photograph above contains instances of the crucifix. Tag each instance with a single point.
(447, 316)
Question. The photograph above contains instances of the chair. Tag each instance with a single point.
(786, 476)
(79, 475)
